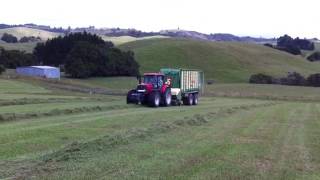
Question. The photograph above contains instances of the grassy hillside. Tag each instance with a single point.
(308, 53)
(221, 61)
(125, 39)
(19, 32)
(27, 47)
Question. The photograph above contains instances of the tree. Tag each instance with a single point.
(284, 41)
(294, 46)
(9, 38)
(14, 58)
(304, 44)
(86, 60)
(85, 55)
(54, 52)
(122, 63)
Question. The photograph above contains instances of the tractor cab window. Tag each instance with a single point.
(160, 81)
(156, 81)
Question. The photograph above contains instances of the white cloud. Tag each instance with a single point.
(246, 17)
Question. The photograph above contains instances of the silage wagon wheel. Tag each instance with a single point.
(195, 99)
(188, 100)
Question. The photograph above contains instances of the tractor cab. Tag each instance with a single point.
(152, 90)
(156, 80)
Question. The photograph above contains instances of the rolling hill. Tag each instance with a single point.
(125, 39)
(221, 61)
(19, 32)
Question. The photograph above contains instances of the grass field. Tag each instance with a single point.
(112, 83)
(221, 61)
(49, 134)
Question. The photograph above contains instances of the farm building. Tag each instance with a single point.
(39, 71)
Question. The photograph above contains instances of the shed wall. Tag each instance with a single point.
(39, 72)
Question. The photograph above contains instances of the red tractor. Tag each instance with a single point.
(170, 86)
(154, 91)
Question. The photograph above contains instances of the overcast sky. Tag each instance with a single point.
(268, 18)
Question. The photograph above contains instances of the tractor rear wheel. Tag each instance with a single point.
(154, 99)
(167, 98)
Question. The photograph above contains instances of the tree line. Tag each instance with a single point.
(9, 38)
(13, 58)
(293, 46)
(292, 79)
(81, 55)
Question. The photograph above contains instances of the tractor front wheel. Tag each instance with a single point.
(129, 96)
(154, 99)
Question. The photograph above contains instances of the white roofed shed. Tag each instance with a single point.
(39, 71)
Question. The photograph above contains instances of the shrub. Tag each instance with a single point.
(26, 39)
(9, 38)
(2, 69)
(210, 81)
(260, 79)
(314, 80)
(314, 57)
(268, 45)
(294, 79)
